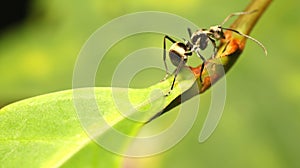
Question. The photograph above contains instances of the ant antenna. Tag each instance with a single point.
(249, 37)
(236, 14)
(242, 34)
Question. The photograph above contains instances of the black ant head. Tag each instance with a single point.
(217, 32)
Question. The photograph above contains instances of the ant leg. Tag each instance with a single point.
(225, 46)
(190, 32)
(181, 63)
(201, 71)
(199, 55)
(215, 46)
(249, 37)
(202, 66)
(236, 14)
(164, 53)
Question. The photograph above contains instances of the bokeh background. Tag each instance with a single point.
(40, 41)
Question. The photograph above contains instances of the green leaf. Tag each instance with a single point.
(45, 131)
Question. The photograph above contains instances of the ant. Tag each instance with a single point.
(180, 51)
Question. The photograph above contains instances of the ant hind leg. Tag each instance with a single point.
(181, 63)
(164, 54)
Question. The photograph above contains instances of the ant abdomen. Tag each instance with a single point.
(177, 53)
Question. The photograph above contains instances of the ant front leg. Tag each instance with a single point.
(202, 65)
(214, 45)
(237, 14)
(164, 54)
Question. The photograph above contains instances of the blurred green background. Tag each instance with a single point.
(260, 125)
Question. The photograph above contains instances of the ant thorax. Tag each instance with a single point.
(199, 39)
